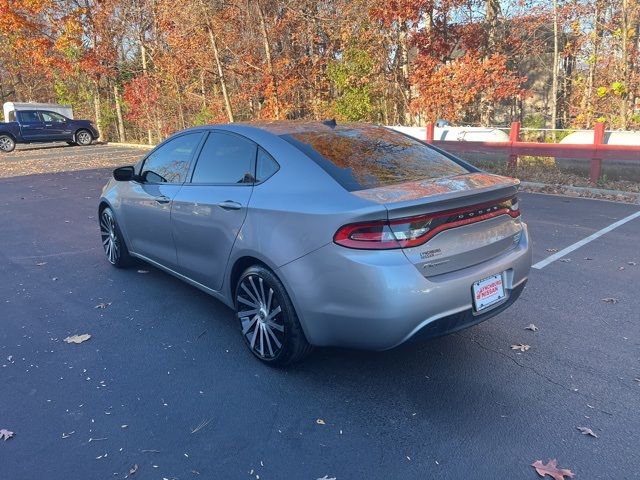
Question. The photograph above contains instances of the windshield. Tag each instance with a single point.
(366, 156)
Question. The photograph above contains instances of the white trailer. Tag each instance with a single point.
(10, 109)
(457, 134)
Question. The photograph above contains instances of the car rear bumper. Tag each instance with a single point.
(378, 299)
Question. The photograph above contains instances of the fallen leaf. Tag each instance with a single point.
(133, 469)
(565, 260)
(551, 250)
(39, 264)
(588, 258)
(532, 327)
(633, 264)
(620, 268)
(78, 338)
(327, 477)
(520, 346)
(102, 305)
(67, 435)
(5, 434)
(551, 469)
(610, 300)
(587, 431)
(320, 421)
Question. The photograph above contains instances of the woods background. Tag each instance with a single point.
(146, 68)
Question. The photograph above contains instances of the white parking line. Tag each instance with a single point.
(543, 263)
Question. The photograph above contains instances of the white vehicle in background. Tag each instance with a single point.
(456, 134)
(10, 108)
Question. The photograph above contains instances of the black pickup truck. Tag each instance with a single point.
(42, 126)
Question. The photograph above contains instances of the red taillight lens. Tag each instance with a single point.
(414, 231)
(369, 236)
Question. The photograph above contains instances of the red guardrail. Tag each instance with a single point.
(596, 152)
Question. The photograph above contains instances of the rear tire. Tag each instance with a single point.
(268, 321)
(84, 138)
(113, 242)
(73, 144)
(7, 143)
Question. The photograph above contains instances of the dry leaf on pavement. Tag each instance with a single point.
(551, 250)
(610, 300)
(633, 264)
(532, 327)
(5, 434)
(40, 264)
(320, 421)
(587, 431)
(102, 305)
(133, 469)
(520, 346)
(551, 469)
(78, 338)
(565, 260)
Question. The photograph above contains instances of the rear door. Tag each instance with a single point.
(31, 125)
(210, 209)
(147, 204)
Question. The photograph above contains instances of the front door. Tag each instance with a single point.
(209, 210)
(55, 126)
(147, 203)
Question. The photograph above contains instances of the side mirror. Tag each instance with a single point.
(124, 174)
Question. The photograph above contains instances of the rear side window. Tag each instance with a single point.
(29, 117)
(170, 162)
(366, 157)
(226, 159)
(266, 166)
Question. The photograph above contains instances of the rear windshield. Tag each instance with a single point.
(369, 157)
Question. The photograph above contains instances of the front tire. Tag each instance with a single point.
(84, 138)
(7, 144)
(268, 321)
(113, 242)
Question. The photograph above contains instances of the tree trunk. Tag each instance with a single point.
(405, 86)
(492, 14)
(97, 111)
(554, 78)
(625, 77)
(221, 77)
(143, 54)
(586, 105)
(121, 135)
(269, 59)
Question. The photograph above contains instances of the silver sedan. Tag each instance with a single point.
(319, 234)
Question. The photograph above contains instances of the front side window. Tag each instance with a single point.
(170, 162)
(225, 159)
(52, 117)
(366, 156)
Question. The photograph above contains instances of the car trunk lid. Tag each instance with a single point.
(452, 223)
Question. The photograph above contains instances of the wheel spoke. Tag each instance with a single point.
(271, 324)
(247, 313)
(253, 339)
(273, 335)
(244, 287)
(263, 299)
(269, 299)
(255, 290)
(275, 312)
(266, 337)
(261, 351)
(247, 324)
(247, 302)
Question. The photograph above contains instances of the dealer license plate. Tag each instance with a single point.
(488, 291)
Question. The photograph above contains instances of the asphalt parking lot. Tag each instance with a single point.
(165, 382)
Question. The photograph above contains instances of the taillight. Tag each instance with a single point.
(413, 231)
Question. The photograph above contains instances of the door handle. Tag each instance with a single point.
(230, 205)
(162, 199)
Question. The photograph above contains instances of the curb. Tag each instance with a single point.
(130, 145)
(584, 192)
